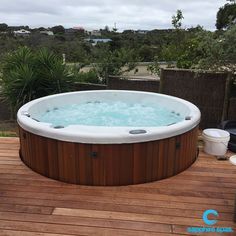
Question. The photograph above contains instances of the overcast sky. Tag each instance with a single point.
(94, 14)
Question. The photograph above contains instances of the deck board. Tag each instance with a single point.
(31, 204)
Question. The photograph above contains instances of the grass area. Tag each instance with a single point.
(141, 68)
(4, 134)
(8, 129)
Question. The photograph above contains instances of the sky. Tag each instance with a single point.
(94, 14)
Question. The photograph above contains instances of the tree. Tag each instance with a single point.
(3, 27)
(226, 16)
(177, 19)
(114, 62)
(210, 50)
(41, 29)
(59, 29)
(146, 53)
(219, 52)
(106, 29)
(196, 49)
(177, 38)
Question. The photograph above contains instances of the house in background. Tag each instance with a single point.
(94, 33)
(46, 32)
(22, 32)
(74, 30)
(142, 31)
(96, 41)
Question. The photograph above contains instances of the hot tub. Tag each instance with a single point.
(106, 154)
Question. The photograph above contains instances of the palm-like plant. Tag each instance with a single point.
(27, 75)
(54, 75)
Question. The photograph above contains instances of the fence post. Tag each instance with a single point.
(227, 96)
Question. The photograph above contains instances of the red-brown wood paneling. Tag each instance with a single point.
(108, 164)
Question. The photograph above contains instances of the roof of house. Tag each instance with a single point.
(22, 31)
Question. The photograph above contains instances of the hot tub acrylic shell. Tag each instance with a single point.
(92, 155)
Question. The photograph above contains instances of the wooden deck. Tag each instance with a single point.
(31, 204)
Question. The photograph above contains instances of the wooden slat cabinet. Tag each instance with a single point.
(108, 164)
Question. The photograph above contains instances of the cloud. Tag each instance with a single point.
(135, 14)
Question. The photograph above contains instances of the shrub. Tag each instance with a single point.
(28, 75)
(86, 77)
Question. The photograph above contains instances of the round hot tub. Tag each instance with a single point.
(108, 137)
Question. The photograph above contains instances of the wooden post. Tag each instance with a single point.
(227, 95)
(235, 209)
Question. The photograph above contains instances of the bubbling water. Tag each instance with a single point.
(111, 114)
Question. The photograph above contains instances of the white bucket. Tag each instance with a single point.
(216, 141)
